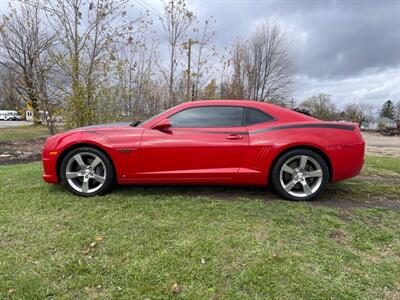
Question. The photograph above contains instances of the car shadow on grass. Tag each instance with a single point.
(343, 195)
(338, 195)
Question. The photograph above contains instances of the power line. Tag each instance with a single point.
(154, 9)
(149, 8)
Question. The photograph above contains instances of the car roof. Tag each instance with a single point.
(276, 111)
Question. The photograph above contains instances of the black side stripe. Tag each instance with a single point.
(281, 127)
(295, 126)
(226, 132)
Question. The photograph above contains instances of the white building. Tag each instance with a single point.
(29, 116)
(379, 123)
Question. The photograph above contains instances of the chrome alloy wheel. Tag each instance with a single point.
(85, 172)
(301, 176)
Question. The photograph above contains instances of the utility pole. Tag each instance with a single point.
(188, 46)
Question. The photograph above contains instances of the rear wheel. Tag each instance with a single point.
(300, 174)
(87, 172)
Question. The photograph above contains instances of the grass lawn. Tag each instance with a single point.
(137, 242)
(388, 164)
(23, 133)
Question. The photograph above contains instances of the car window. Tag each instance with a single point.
(254, 116)
(209, 116)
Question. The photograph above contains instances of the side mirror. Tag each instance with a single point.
(163, 125)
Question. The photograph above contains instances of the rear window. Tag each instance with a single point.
(254, 116)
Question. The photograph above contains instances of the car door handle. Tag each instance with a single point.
(234, 137)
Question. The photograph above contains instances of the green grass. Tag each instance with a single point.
(382, 163)
(23, 133)
(254, 246)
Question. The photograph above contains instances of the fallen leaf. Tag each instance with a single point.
(92, 244)
(86, 251)
(12, 291)
(98, 238)
(176, 289)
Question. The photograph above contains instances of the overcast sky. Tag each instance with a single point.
(348, 49)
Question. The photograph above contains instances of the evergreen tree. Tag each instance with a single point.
(387, 110)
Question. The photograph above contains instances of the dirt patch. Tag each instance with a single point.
(337, 235)
(14, 152)
(374, 179)
(377, 144)
(382, 201)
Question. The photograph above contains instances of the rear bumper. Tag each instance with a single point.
(348, 161)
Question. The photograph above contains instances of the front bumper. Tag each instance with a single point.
(49, 168)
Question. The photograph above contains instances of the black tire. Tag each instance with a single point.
(106, 167)
(277, 182)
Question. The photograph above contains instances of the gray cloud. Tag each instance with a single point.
(329, 38)
(349, 49)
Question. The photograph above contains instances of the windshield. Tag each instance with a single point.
(141, 123)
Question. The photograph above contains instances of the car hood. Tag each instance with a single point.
(106, 126)
(110, 132)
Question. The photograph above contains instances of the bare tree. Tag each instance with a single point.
(205, 52)
(210, 90)
(237, 88)
(176, 22)
(23, 43)
(397, 116)
(88, 34)
(268, 63)
(224, 65)
(135, 71)
(353, 112)
(9, 98)
(261, 67)
(320, 107)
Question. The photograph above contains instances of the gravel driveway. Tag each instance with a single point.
(377, 144)
(7, 124)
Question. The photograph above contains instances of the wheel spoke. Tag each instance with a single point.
(95, 162)
(303, 162)
(85, 185)
(71, 175)
(306, 188)
(316, 173)
(99, 178)
(288, 169)
(79, 160)
(290, 185)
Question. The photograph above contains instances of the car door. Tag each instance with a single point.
(207, 142)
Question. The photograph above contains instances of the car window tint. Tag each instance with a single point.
(255, 116)
(210, 116)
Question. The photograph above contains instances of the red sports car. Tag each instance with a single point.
(209, 142)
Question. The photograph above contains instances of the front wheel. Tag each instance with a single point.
(86, 171)
(300, 174)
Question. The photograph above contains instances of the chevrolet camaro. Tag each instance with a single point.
(227, 142)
